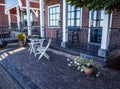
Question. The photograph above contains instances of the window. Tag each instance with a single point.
(97, 18)
(74, 16)
(54, 15)
(96, 26)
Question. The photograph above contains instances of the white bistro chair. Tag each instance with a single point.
(42, 50)
(34, 44)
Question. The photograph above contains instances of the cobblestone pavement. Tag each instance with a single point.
(55, 73)
(7, 81)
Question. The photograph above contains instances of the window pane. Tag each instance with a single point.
(56, 23)
(68, 22)
(57, 10)
(78, 14)
(94, 23)
(95, 15)
(101, 23)
(72, 8)
(50, 17)
(78, 9)
(53, 16)
(69, 15)
(72, 14)
(72, 22)
(102, 14)
(53, 23)
(50, 10)
(50, 23)
(69, 9)
(53, 10)
(57, 16)
(77, 22)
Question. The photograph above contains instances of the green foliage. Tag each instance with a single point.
(35, 36)
(83, 64)
(21, 36)
(108, 5)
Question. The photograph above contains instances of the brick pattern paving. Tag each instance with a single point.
(7, 81)
(55, 73)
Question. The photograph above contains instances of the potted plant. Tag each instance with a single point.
(84, 65)
(21, 39)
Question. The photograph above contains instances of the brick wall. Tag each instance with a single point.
(13, 18)
(85, 17)
(2, 1)
(116, 20)
(3, 17)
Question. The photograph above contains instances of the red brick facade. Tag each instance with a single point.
(116, 20)
(85, 13)
(3, 17)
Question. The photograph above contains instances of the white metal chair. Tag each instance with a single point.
(34, 44)
(42, 50)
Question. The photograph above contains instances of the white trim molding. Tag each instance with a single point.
(81, 14)
(1, 4)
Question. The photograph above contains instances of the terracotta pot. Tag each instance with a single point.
(88, 71)
(21, 43)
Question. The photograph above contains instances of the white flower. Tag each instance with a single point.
(82, 70)
(97, 75)
(69, 64)
(88, 64)
(78, 68)
(75, 62)
(68, 59)
(82, 66)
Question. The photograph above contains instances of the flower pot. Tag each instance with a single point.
(21, 43)
(89, 71)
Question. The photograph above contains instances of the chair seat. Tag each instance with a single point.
(42, 50)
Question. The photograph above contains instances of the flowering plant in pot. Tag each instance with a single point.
(84, 65)
(21, 39)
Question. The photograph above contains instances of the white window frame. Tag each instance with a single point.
(89, 31)
(81, 11)
(49, 15)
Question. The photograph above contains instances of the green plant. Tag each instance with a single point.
(21, 37)
(35, 36)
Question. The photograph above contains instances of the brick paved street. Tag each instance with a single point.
(55, 73)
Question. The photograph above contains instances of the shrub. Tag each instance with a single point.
(21, 37)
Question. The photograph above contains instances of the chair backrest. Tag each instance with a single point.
(49, 41)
